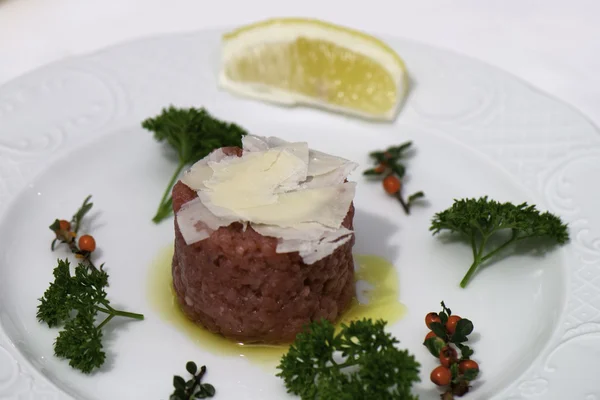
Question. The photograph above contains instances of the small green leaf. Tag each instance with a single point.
(397, 150)
(415, 196)
(438, 329)
(434, 345)
(464, 327)
(471, 374)
(377, 155)
(446, 309)
(398, 170)
(208, 389)
(465, 351)
(371, 172)
(55, 225)
(178, 382)
(191, 367)
(454, 370)
(443, 317)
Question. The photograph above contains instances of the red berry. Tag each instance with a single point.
(441, 376)
(430, 318)
(391, 184)
(448, 356)
(87, 243)
(451, 324)
(466, 365)
(64, 225)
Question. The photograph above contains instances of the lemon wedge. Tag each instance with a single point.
(294, 61)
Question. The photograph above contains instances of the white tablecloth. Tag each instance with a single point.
(553, 44)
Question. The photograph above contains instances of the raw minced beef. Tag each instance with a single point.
(236, 285)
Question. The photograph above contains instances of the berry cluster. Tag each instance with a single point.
(448, 333)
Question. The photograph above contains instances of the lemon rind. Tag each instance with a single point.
(270, 94)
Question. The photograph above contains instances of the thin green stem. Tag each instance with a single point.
(118, 313)
(106, 321)
(126, 314)
(477, 258)
(469, 273)
(160, 212)
(489, 255)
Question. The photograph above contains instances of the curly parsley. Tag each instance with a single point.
(360, 362)
(481, 219)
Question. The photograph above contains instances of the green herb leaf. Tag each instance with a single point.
(464, 327)
(56, 305)
(191, 367)
(415, 196)
(208, 389)
(81, 295)
(178, 382)
(193, 388)
(478, 220)
(435, 345)
(369, 366)
(83, 210)
(471, 374)
(371, 172)
(399, 170)
(398, 150)
(465, 351)
(438, 329)
(55, 225)
(443, 317)
(454, 370)
(81, 342)
(193, 133)
(446, 309)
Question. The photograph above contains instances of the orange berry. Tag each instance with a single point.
(391, 184)
(451, 324)
(87, 243)
(430, 318)
(380, 168)
(430, 335)
(466, 365)
(64, 225)
(441, 376)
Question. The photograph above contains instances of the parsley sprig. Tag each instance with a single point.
(479, 220)
(75, 300)
(193, 133)
(361, 361)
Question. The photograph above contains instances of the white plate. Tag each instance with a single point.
(73, 128)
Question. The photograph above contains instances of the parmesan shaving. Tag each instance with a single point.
(281, 189)
(197, 223)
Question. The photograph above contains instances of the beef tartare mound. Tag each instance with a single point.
(256, 260)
